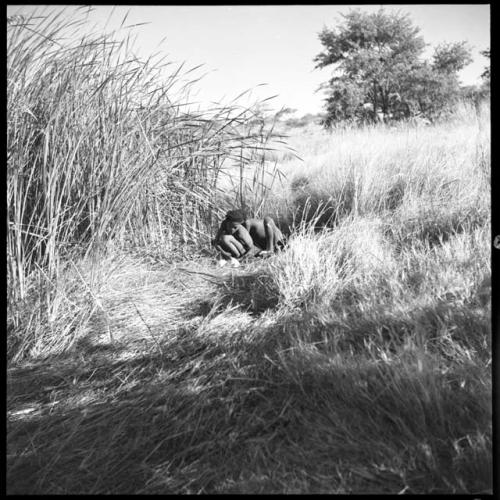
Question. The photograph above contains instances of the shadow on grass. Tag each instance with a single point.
(261, 411)
(182, 419)
(441, 324)
(420, 431)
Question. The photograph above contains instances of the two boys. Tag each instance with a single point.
(240, 237)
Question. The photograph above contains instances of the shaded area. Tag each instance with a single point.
(217, 408)
(180, 408)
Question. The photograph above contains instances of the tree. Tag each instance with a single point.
(450, 58)
(371, 53)
(432, 88)
(344, 101)
(377, 60)
(485, 75)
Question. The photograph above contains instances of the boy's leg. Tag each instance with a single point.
(269, 230)
(279, 239)
(273, 234)
(254, 252)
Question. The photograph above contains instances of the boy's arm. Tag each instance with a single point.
(243, 236)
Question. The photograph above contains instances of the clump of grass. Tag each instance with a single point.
(320, 267)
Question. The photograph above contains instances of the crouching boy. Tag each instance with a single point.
(239, 237)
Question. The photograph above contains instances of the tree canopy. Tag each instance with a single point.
(379, 71)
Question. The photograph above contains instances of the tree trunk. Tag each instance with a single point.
(384, 99)
(374, 101)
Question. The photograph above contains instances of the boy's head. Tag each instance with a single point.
(233, 219)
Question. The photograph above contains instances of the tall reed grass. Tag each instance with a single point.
(104, 148)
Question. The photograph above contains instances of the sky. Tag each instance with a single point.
(243, 46)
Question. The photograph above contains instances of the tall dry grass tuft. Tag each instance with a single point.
(102, 148)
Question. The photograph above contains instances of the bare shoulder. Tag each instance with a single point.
(253, 223)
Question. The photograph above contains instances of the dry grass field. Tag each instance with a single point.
(357, 360)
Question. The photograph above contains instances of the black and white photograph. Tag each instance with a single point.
(249, 249)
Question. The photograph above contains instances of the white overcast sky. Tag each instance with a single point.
(242, 46)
